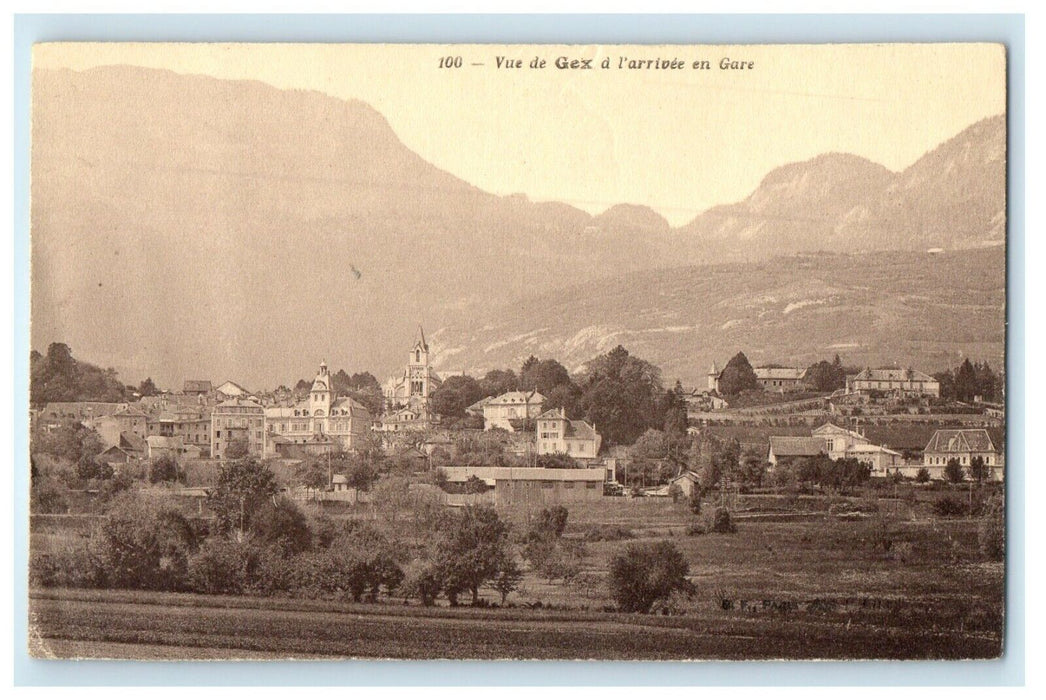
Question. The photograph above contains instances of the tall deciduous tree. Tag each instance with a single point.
(499, 381)
(455, 395)
(620, 396)
(737, 376)
(472, 552)
(826, 376)
(58, 376)
(243, 487)
(544, 376)
(643, 573)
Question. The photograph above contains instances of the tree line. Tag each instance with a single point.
(621, 394)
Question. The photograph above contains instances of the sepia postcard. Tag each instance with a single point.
(518, 351)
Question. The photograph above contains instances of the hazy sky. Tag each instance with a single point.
(679, 141)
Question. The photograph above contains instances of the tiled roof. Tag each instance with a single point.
(972, 440)
(478, 406)
(160, 441)
(900, 437)
(894, 375)
(233, 403)
(347, 402)
(515, 398)
(872, 448)
(832, 428)
(554, 413)
(580, 430)
(130, 441)
(793, 373)
(131, 412)
(796, 446)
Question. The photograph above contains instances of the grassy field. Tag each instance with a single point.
(165, 625)
(822, 587)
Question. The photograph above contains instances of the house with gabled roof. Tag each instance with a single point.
(197, 386)
(896, 380)
(836, 443)
(230, 390)
(785, 448)
(781, 379)
(555, 433)
(687, 481)
(962, 445)
(513, 406)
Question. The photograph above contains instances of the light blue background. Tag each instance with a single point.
(677, 29)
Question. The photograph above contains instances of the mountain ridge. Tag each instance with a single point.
(180, 219)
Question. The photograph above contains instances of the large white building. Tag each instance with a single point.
(841, 443)
(963, 445)
(899, 381)
(322, 422)
(779, 379)
(513, 406)
(556, 433)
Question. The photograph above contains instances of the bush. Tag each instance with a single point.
(283, 525)
(144, 544)
(272, 571)
(608, 533)
(922, 476)
(722, 523)
(69, 566)
(88, 468)
(475, 485)
(991, 537)
(646, 572)
(953, 471)
(694, 502)
(853, 507)
(422, 581)
(553, 520)
(991, 533)
(48, 497)
(946, 506)
(163, 469)
(696, 527)
(221, 566)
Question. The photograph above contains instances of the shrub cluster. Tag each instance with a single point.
(947, 506)
(722, 522)
(608, 533)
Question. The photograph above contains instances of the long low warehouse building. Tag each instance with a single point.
(534, 485)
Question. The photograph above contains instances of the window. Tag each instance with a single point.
(568, 484)
(591, 485)
(547, 484)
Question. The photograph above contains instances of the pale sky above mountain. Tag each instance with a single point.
(679, 141)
